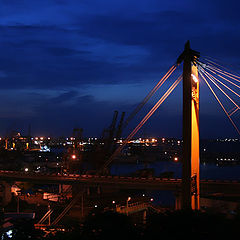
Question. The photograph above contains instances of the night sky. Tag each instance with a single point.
(66, 64)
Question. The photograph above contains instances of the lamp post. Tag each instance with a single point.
(129, 198)
(17, 203)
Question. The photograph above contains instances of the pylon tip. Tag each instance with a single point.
(187, 45)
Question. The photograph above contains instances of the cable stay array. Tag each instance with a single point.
(220, 70)
(210, 71)
(143, 121)
(219, 76)
(149, 95)
(221, 66)
(212, 79)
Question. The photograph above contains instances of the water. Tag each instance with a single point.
(167, 198)
(207, 171)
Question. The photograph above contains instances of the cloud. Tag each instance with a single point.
(64, 97)
(78, 61)
(61, 52)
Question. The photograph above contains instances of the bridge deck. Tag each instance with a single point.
(152, 183)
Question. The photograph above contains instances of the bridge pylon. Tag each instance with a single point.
(190, 167)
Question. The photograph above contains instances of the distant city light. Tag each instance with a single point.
(9, 233)
(176, 159)
(45, 149)
(113, 202)
(26, 169)
(74, 156)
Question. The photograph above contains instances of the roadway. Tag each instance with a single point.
(151, 183)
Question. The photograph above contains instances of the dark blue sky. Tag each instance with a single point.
(66, 64)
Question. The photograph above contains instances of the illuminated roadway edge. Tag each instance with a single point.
(151, 183)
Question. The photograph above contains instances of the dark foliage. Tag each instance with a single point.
(170, 225)
(108, 225)
(190, 225)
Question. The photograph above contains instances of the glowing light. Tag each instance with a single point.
(26, 169)
(151, 199)
(9, 233)
(176, 159)
(194, 78)
(95, 206)
(113, 202)
(74, 156)
(129, 198)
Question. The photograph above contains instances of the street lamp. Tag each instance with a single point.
(129, 198)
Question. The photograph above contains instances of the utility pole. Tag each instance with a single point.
(129, 198)
(18, 203)
(190, 167)
(82, 207)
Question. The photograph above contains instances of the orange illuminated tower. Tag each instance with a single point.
(190, 168)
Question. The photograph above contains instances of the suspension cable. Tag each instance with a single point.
(223, 84)
(211, 70)
(150, 113)
(202, 75)
(230, 75)
(150, 94)
(233, 111)
(208, 59)
(211, 78)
